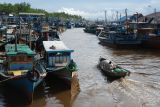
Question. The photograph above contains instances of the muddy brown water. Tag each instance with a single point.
(140, 89)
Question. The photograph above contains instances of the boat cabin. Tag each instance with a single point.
(56, 54)
(20, 58)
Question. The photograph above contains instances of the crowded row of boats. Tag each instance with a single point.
(135, 32)
(30, 51)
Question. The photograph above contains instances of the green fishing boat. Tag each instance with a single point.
(20, 71)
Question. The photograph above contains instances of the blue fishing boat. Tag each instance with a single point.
(151, 41)
(20, 71)
(57, 60)
(120, 37)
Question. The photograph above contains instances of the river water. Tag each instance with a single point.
(140, 89)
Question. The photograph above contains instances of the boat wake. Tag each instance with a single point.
(135, 93)
(75, 88)
(142, 73)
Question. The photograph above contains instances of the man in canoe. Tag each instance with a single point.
(112, 69)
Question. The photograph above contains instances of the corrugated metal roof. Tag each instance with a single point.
(21, 48)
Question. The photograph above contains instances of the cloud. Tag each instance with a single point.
(72, 11)
(149, 7)
(86, 14)
(94, 9)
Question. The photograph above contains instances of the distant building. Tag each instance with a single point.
(152, 18)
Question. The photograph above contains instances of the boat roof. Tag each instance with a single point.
(138, 23)
(55, 46)
(21, 49)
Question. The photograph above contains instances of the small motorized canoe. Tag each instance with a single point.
(111, 69)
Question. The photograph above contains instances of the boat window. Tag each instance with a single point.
(52, 54)
(58, 59)
(20, 58)
(29, 58)
(25, 58)
(58, 54)
(66, 53)
(13, 58)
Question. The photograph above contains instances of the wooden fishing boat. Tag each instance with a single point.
(112, 70)
(57, 60)
(19, 70)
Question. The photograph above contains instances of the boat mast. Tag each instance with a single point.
(155, 20)
(120, 18)
(20, 27)
(29, 31)
(117, 15)
(126, 19)
(137, 18)
(41, 25)
(15, 34)
(126, 14)
(105, 17)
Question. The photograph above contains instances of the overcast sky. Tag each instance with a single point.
(93, 9)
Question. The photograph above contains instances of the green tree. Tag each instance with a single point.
(26, 7)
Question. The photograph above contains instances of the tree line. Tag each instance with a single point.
(26, 7)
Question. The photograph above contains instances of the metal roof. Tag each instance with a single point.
(21, 48)
(55, 46)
